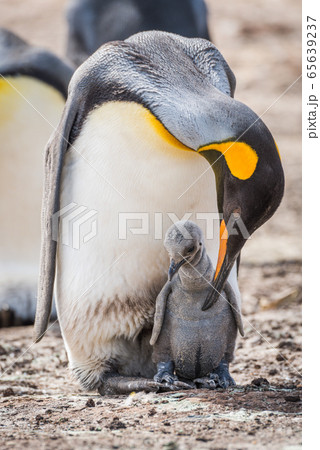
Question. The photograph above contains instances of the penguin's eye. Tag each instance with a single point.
(190, 249)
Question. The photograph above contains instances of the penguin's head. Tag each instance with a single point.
(250, 184)
(184, 243)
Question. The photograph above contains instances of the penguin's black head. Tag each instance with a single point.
(248, 200)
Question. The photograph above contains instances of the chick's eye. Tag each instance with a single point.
(190, 249)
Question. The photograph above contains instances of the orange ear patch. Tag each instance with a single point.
(240, 157)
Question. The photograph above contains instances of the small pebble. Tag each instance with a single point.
(292, 398)
(152, 412)
(90, 403)
(260, 382)
(8, 392)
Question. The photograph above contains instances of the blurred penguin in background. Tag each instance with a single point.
(95, 22)
(33, 89)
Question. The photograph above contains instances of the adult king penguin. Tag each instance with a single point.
(33, 88)
(92, 23)
(144, 120)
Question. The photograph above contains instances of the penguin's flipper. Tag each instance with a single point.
(161, 304)
(234, 307)
(54, 157)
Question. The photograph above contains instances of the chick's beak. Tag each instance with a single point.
(174, 267)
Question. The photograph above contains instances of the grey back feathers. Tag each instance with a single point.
(92, 23)
(17, 57)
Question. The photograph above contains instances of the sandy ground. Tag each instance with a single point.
(43, 408)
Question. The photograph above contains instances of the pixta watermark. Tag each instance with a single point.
(74, 225)
(144, 223)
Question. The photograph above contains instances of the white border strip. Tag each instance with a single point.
(310, 221)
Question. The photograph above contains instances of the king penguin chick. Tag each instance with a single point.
(92, 23)
(198, 345)
(33, 89)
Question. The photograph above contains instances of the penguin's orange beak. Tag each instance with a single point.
(224, 266)
(222, 247)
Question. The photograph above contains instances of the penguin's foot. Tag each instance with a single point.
(223, 377)
(165, 375)
(117, 384)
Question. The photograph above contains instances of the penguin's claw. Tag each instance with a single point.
(170, 382)
(167, 377)
(183, 385)
(226, 382)
(165, 373)
(205, 383)
(222, 376)
(175, 385)
(219, 378)
(165, 387)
